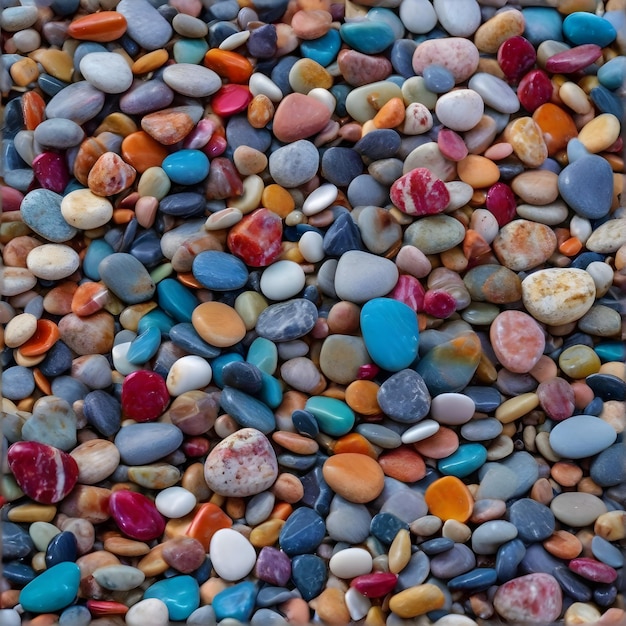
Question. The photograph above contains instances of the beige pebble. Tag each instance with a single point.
(581, 613)
(457, 531)
(52, 261)
(611, 526)
(400, 551)
(85, 210)
(600, 133)
(20, 329)
(536, 187)
(96, 459)
(614, 413)
(426, 526)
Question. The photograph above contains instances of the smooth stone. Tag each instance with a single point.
(126, 277)
(180, 594)
(607, 386)
(533, 520)
(247, 411)
(52, 422)
(577, 509)
(286, 321)
(458, 560)
(141, 444)
(488, 537)
(609, 467)
(584, 28)
(294, 164)
(368, 37)
(586, 186)
(41, 211)
(58, 133)
(52, 590)
(302, 532)
(185, 336)
(188, 373)
(495, 92)
(415, 572)
(535, 596)
(453, 408)
(466, 460)
(146, 26)
(434, 234)
(16, 542)
(220, 271)
(52, 261)
(348, 521)
(79, 102)
(508, 558)
(401, 405)
(119, 577)
(523, 465)
(606, 552)
(481, 430)
(226, 542)
(136, 515)
(236, 602)
(356, 477)
(273, 566)
(334, 417)
(103, 412)
(106, 71)
(478, 579)
(498, 483)
(361, 276)
(460, 110)
(457, 54)
(17, 382)
(565, 437)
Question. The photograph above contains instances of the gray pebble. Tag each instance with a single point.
(145, 24)
(140, 444)
(58, 133)
(17, 383)
(294, 164)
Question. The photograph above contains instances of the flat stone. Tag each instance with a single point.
(565, 437)
(140, 444)
(401, 405)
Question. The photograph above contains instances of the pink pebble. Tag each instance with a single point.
(573, 60)
(136, 515)
(499, 151)
(51, 171)
(413, 261)
(531, 599)
(534, 90)
(451, 145)
(518, 340)
(593, 570)
(410, 291)
(439, 304)
(10, 198)
(501, 202)
(420, 193)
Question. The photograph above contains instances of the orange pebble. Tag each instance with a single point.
(566, 474)
(563, 545)
(106, 607)
(42, 382)
(122, 216)
(354, 442)
(33, 107)
(45, 337)
(449, 498)
(142, 152)
(571, 246)
(9, 598)
(58, 301)
(89, 298)
(150, 61)
(231, 65)
(557, 126)
(391, 114)
(24, 72)
(208, 520)
(102, 26)
(361, 396)
(45, 619)
(260, 111)
(281, 510)
(478, 171)
(189, 280)
(583, 394)
(298, 444)
(474, 245)
(403, 464)
(440, 445)
(278, 200)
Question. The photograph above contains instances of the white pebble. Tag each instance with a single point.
(187, 374)
(10, 617)
(421, 430)
(19, 329)
(460, 110)
(175, 502)
(602, 274)
(259, 83)
(357, 604)
(107, 71)
(418, 16)
(311, 246)
(460, 195)
(232, 555)
(325, 97)
(52, 261)
(234, 41)
(84, 210)
(282, 280)
(460, 18)
(417, 119)
(120, 362)
(149, 611)
(350, 562)
(223, 219)
(580, 227)
(320, 199)
(484, 222)
(452, 408)
(453, 619)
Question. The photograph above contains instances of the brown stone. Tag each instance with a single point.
(299, 116)
(355, 477)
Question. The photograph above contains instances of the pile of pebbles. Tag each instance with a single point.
(312, 311)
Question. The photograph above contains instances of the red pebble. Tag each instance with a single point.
(451, 145)
(98, 608)
(516, 56)
(439, 304)
(231, 99)
(136, 515)
(375, 585)
(44, 473)
(144, 396)
(51, 171)
(257, 238)
(420, 193)
(410, 291)
(593, 570)
(573, 60)
(196, 446)
(501, 202)
(534, 90)
(223, 181)
(10, 199)
(216, 145)
(369, 371)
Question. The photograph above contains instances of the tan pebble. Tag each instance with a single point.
(611, 526)
(356, 477)
(249, 161)
(536, 187)
(96, 459)
(88, 335)
(457, 531)
(587, 485)
(288, 488)
(614, 413)
(614, 368)
(581, 613)
(87, 502)
(542, 441)
(544, 369)
(260, 112)
(400, 551)
(266, 533)
(122, 546)
(153, 563)
(613, 617)
(89, 563)
(575, 98)
(566, 474)
(498, 29)
(541, 491)
(330, 607)
(516, 407)
(417, 600)
(210, 588)
(426, 526)
(57, 63)
(343, 318)
(20, 329)
(16, 251)
(130, 316)
(526, 137)
(82, 529)
(563, 545)
(28, 513)
(600, 133)
(218, 324)
(503, 445)
(294, 442)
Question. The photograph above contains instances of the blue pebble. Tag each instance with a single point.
(508, 558)
(271, 392)
(572, 585)
(583, 260)
(103, 411)
(220, 271)
(609, 467)
(280, 74)
(68, 388)
(594, 407)
(438, 78)
(542, 24)
(299, 462)
(58, 360)
(18, 382)
(220, 31)
(143, 443)
(473, 581)
(366, 190)
(486, 399)
(575, 150)
(340, 165)
(437, 545)
(382, 14)
(269, 596)
(340, 93)
(183, 204)
(52, 590)
(219, 363)
(63, 547)
(342, 235)
(607, 101)
(415, 572)
(587, 186)
(607, 386)
(262, 42)
(236, 602)
(180, 594)
(367, 36)
(16, 542)
(606, 552)
(534, 521)
(583, 28)
(158, 318)
(464, 461)
(144, 346)
(305, 423)
(184, 335)
(379, 144)
(605, 595)
(77, 615)
(309, 574)
(322, 50)
(18, 573)
(538, 560)
(385, 526)
(302, 533)
(49, 85)
(97, 250)
(176, 300)
(613, 73)
(246, 410)
(13, 118)
(611, 351)
(146, 248)
(203, 573)
(243, 376)
(401, 57)
(186, 167)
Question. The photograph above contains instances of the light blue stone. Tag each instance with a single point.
(158, 318)
(218, 270)
(144, 346)
(186, 167)
(247, 411)
(176, 300)
(476, 580)
(180, 594)
(582, 27)
(581, 436)
(606, 552)
(98, 249)
(437, 78)
(367, 36)
(236, 602)
(271, 391)
(324, 49)
(264, 354)
(52, 590)
(382, 14)
(466, 460)
(575, 150)
(390, 333)
(587, 186)
(542, 24)
(41, 211)
(613, 73)
(335, 418)
(77, 615)
(218, 364)
(18, 382)
(190, 51)
(185, 336)
(607, 101)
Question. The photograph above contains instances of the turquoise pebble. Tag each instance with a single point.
(176, 300)
(179, 593)
(190, 50)
(467, 459)
(382, 14)
(158, 318)
(390, 333)
(271, 391)
(185, 336)
(236, 602)
(98, 249)
(324, 49)
(186, 167)
(218, 364)
(542, 24)
(611, 351)
(582, 27)
(52, 590)
(144, 346)
(367, 36)
(335, 418)
(264, 354)
(613, 73)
